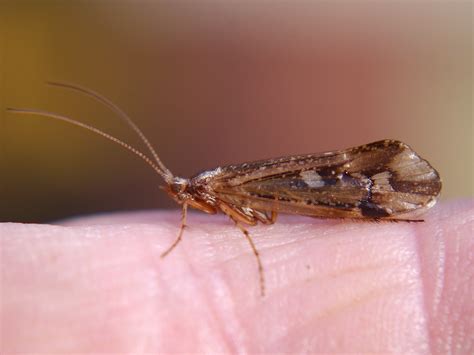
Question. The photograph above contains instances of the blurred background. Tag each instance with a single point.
(214, 83)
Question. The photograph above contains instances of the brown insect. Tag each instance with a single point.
(384, 180)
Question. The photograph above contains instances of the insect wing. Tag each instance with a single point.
(385, 179)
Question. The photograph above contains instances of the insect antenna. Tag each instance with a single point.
(120, 113)
(165, 175)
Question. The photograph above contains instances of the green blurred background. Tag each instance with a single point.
(214, 83)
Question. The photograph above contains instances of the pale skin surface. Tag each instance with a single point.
(99, 285)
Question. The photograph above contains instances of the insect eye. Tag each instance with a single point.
(179, 185)
(176, 188)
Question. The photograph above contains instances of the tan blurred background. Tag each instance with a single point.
(214, 83)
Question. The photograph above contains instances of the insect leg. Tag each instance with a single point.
(239, 217)
(255, 252)
(273, 217)
(264, 217)
(180, 233)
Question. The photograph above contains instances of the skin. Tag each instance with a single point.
(97, 284)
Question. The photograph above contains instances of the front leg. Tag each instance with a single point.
(180, 233)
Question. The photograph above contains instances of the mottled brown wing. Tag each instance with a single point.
(385, 179)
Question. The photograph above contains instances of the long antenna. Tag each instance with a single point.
(119, 112)
(165, 175)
